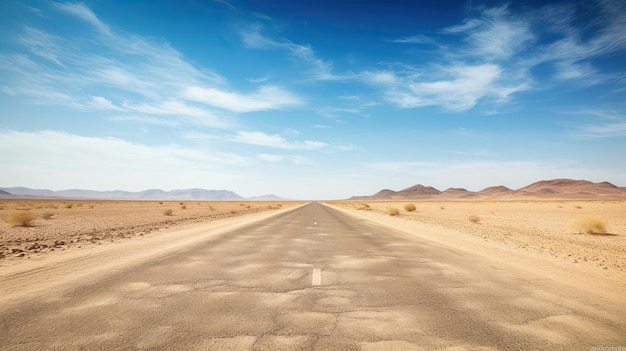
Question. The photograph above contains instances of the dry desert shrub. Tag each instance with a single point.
(364, 207)
(183, 207)
(47, 215)
(394, 211)
(20, 219)
(69, 205)
(474, 219)
(409, 207)
(168, 212)
(591, 225)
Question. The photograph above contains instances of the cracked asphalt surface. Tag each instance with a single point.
(314, 278)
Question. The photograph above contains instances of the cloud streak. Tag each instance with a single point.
(319, 69)
(106, 70)
(265, 98)
(69, 161)
(276, 141)
(497, 52)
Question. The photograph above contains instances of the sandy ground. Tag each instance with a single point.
(78, 224)
(543, 228)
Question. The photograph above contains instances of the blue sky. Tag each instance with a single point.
(311, 99)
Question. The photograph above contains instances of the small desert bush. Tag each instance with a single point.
(578, 207)
(183, 207)
(69, 205)
(20, 219)
(591, 225)
(364, 207)
(474, 219)
(409, 207)
(47, 215)
(233, 211)
(168, 212)
(394, 211)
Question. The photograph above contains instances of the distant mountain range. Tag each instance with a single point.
(151, 194)
(556, 188)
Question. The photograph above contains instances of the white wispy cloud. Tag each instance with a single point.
(497, 35)
(602, 124)
(276, 141)
(604, 130)
(83, 12)
(319, 69)
(456, 87)
(104, 69)
(497, 51)
(335, 112)
(414, 39)
(70, 161)
(294, 159)
(102, 103)
(265, 98)
(146, 120)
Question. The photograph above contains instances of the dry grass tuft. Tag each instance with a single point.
(168, 212)
(474, 219)
(591, 225)
(69, 205)
(394, 211)
(20, 219)
(183, 207)
(409, 207)
(47, 215)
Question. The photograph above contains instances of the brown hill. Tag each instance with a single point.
(498, 190)
(419, 191)
(454, 193)
(571, 188)
(384, 194)
(555, 188)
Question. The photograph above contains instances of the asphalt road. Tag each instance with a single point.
(314, 279)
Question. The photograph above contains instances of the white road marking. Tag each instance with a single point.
(316, 278)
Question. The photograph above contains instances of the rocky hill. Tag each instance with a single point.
(555, 188)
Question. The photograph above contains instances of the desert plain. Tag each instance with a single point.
(555, 229)
(59, 225)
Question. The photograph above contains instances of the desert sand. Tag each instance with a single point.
(547, 232)
(73, 224)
